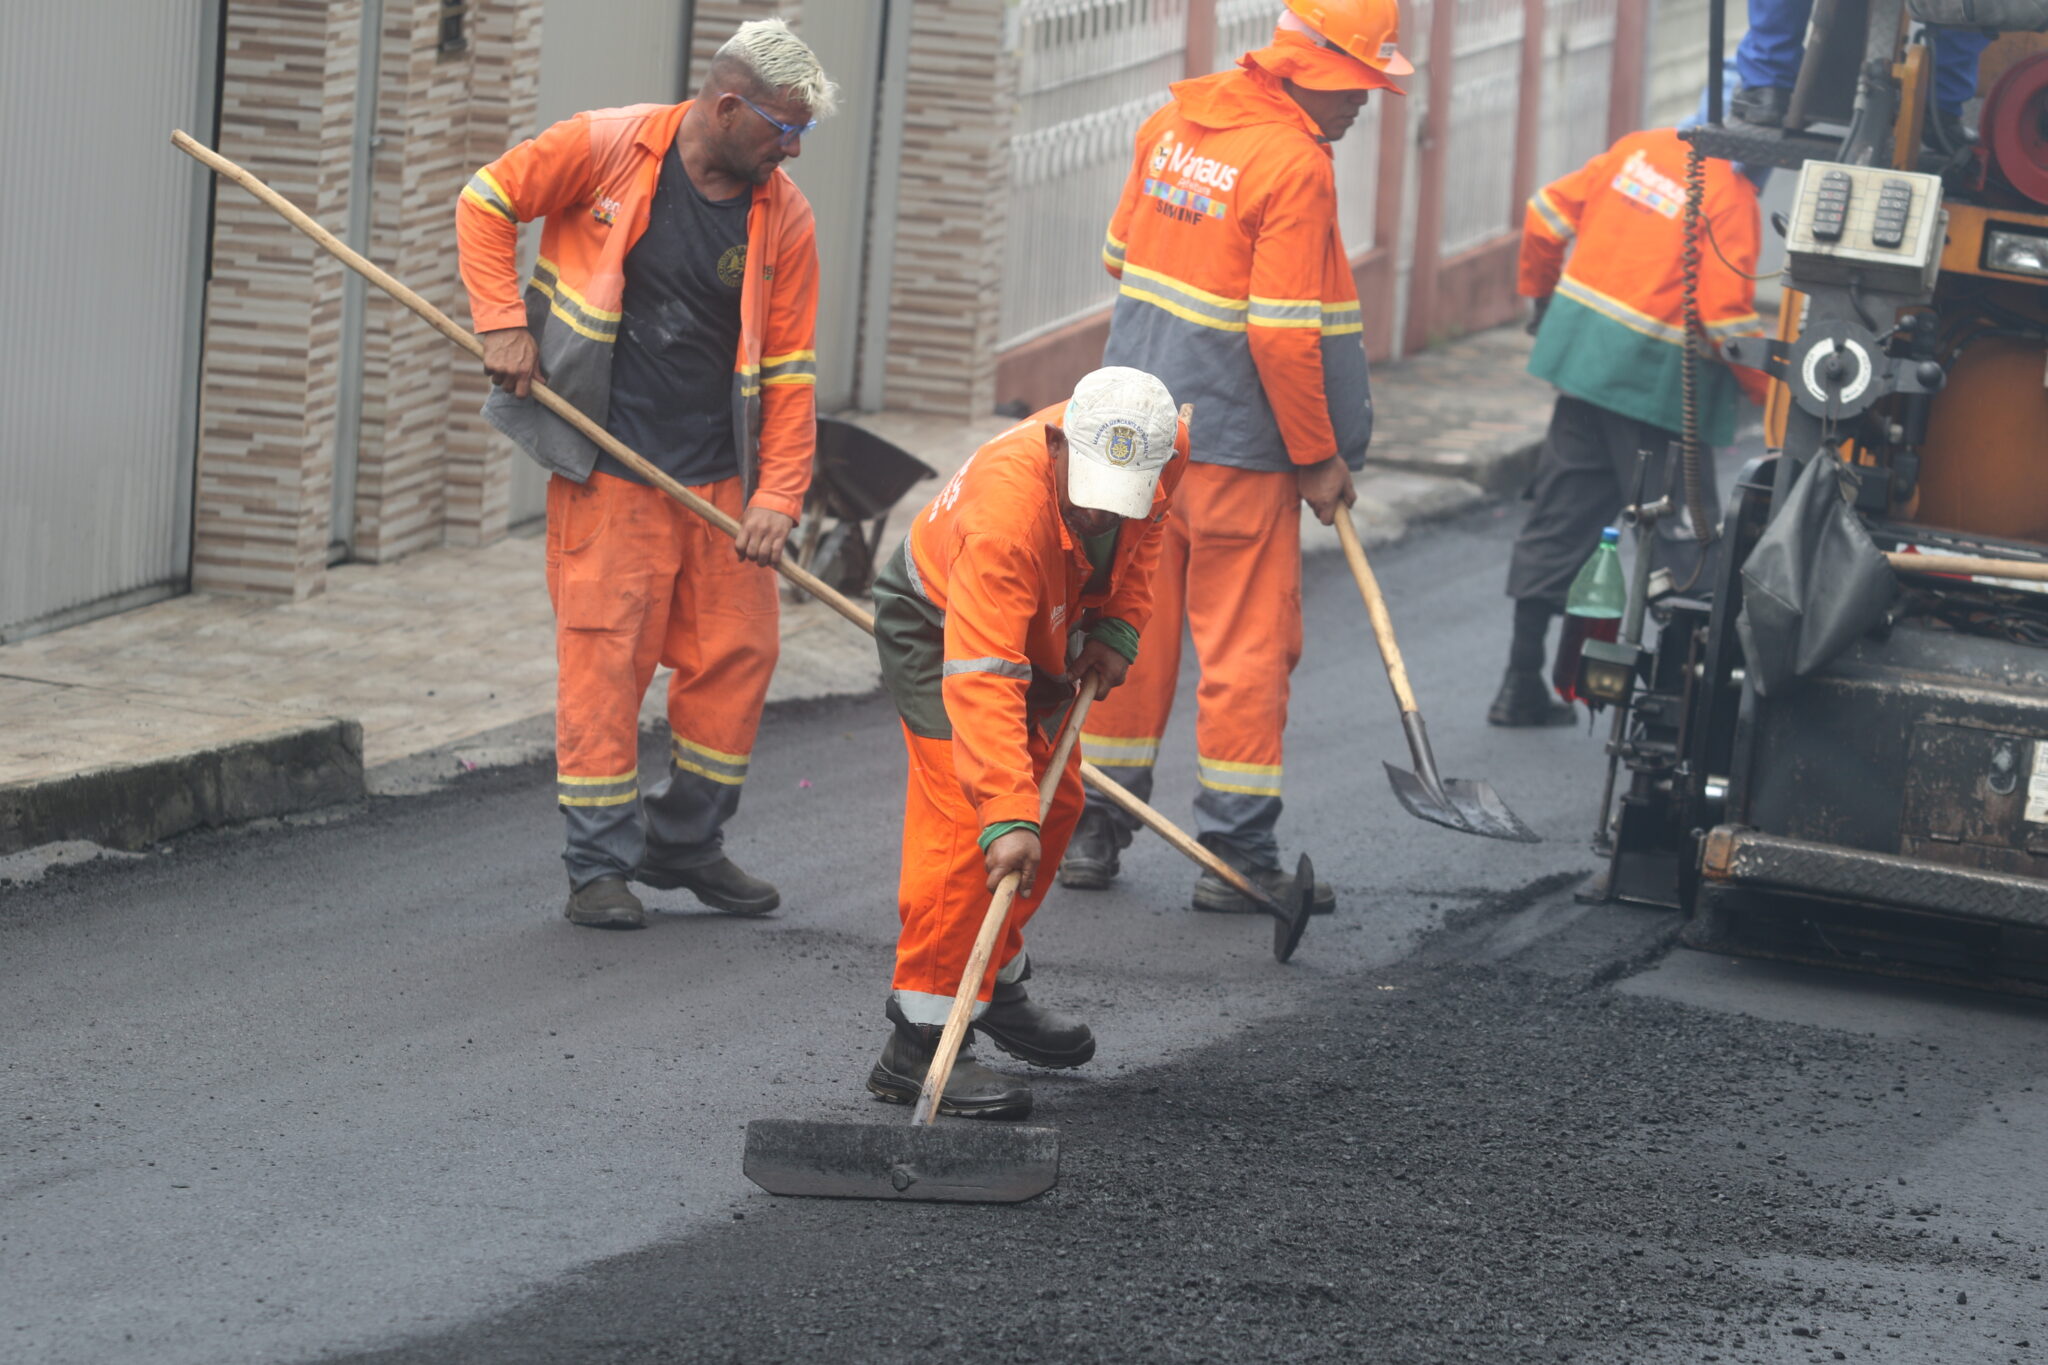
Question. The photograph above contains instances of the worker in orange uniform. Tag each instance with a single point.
(1237, 292)
(1610, 334)
(1029, 574)
(674, 301)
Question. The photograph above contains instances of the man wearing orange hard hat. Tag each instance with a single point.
(1236, 291)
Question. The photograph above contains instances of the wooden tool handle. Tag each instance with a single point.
(548, 398)
(1376, 608)
(2024, 570)
(957, 1018)
(1121, 797)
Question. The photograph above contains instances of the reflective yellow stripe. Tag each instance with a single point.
(798, 367)
(1615, 310)
(469, 193)
(1547, 213)
(619, 800)
(1115, 751)
(1113, 253)
(769, 362)
(1749, 324)
(1342, 319)
(723, 779)
(1247, 777)
(1189, 291)
(715, 755)
(484, 191)
(554, 274)
(1286, 312)
(568, 781)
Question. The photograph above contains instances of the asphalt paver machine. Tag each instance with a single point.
(1888, 810)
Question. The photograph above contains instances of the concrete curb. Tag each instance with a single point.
(130, 806)
(307, 767)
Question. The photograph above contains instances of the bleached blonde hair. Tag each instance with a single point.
(782, 62)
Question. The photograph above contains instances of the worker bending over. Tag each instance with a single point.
(674, 301)
(1610, 334)
(1046, 537)
(1237, 292)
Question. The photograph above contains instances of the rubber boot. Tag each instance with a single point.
(1091, 861)
(1524, 700)
(1219, 897)
(972, 1091)
(1032, 1033)
(605, 903)
(721, 885)
(1762, 106)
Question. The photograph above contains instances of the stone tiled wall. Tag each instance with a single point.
(949, 228)
(265, 473)
(429, 471)
(714, 21)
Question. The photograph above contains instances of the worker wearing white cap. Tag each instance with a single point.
(1029, 575)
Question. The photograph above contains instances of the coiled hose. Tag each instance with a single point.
(1695, 340)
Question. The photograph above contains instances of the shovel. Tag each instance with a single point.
(1290, 916)
(1454, 803)
(970, 1162)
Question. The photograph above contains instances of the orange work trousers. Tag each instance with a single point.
(637, 579)
(943, 895)
(1230, 566)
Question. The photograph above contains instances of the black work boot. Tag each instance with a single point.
(1090, 863)
(1525, 699)
(1761, 106)
(1219, 897)
(720, 885)
(606, 903)
(972, 1091)
(1032, 1033)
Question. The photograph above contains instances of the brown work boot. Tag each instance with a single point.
(972, 1091)
(722, 885)
(606, 903)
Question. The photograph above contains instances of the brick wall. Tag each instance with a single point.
(265, 475)
(429, 471)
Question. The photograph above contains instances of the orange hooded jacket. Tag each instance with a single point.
(1614, 333)
(982, 597)
(1235, 287)
(593, 178)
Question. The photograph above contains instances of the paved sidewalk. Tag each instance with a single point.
(208, 710)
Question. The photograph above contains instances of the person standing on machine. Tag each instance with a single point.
(1610, 334)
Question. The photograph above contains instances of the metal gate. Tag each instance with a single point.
(105, 233)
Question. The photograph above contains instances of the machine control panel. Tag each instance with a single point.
(1869, 226)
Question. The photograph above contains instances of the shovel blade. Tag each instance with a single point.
(1468, 807)
(966, 1162)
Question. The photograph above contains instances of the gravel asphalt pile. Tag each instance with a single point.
(1440, 1162)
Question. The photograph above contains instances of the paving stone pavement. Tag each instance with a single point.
(446, 661)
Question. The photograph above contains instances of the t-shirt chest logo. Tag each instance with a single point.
(732, 266)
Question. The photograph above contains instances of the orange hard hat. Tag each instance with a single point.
(1366, 30)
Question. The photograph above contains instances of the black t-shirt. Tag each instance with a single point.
(679, 332)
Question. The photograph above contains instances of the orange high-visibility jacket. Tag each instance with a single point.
(982, 596)
(1235, 287)
(593, 178)
(1614, 333)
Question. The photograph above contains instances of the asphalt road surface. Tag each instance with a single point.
(351, 1088)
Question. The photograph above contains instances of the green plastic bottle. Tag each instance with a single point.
(1592, 611)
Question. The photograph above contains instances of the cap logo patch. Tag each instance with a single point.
(1121, 443)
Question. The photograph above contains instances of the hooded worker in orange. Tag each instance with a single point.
(1237, 292)
(1028, 575)
(675, 300)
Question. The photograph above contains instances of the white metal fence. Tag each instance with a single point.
(1485, 94)
(1578, 66)
(1089, 72)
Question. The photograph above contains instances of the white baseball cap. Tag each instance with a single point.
(1120, 427)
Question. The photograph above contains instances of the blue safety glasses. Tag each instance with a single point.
(788, 132)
